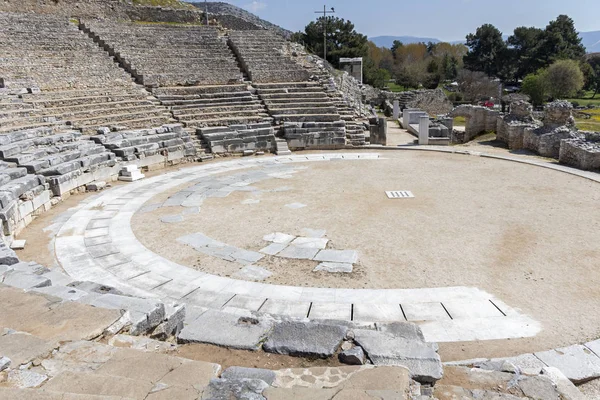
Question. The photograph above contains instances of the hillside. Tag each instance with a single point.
(221, 8)
(590, 40)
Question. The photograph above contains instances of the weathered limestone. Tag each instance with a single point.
(305, 339)
(145, 147)
(237, 139)
(315, 135)
(387, 349)
(60, 77)
(255, 50)
(511, 128)
(221, 105)
(478, 120)
(167, 55)
(582, 152)
(227, 330)
(558, 125)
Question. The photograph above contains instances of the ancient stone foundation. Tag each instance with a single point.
(478, 120)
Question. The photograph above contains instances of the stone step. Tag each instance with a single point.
(138, 123)
(217, 111)
(306, 117)
(218, 104)
(198, 90)
(227, 121)
(211, 115)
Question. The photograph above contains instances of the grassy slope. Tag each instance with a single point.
(164, 3)
(592, 124)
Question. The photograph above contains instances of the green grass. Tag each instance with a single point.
(460, 121)
(394, 87)
(592, 124)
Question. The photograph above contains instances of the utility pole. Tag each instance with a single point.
(325, 12)
(206, 11)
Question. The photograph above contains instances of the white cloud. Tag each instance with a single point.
(256, 6)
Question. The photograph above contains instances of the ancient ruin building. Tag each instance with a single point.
(478, 120)
(558, 124)
(511, 127)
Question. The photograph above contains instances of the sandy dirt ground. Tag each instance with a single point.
(525, 234)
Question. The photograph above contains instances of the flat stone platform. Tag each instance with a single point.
(468, 299)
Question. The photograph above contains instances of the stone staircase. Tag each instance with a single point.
(54, 75)
(167, 54)
(218, 105)
(297, 102)
(260, 54)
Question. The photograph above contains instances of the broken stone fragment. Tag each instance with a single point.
(353, 356)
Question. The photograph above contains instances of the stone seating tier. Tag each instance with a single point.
(297, 102)
(239, 138)
(261, 59)
(50, 153)
(200, 92)
(315, 135)
(139, 49)
(203, 106)
(145, 145)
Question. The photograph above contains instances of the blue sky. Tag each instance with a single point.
(441, 19)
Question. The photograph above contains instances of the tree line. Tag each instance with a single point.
(549, 62)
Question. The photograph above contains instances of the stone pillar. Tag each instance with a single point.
(396, 110)
(405, 117)
(424, 130)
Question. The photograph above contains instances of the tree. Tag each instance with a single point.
(561, 41)
(395, 46)
(563, 79)
(476, 85)
(524, 47)
(342, 39)
(594, 62)
(534, 86)
(487, 50)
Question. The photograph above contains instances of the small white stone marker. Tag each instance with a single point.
(130, 173)
(18, 244)
(400, 194)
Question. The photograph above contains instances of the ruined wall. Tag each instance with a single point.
(478, 120)
(511, 127)
(582, 152)
(558, 125)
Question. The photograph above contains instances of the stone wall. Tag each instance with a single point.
(558, 124)
(581, 152)
(478, 120)
(511, 127)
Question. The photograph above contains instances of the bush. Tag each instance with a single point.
(455, 97)
(534, 86)
(563, 79)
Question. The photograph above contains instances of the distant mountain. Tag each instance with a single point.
(591, 40)
(388, 41)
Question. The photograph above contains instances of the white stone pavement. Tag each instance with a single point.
(97, 244)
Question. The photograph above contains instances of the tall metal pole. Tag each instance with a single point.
(206, 11)
(325, 12)
(324, 33)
